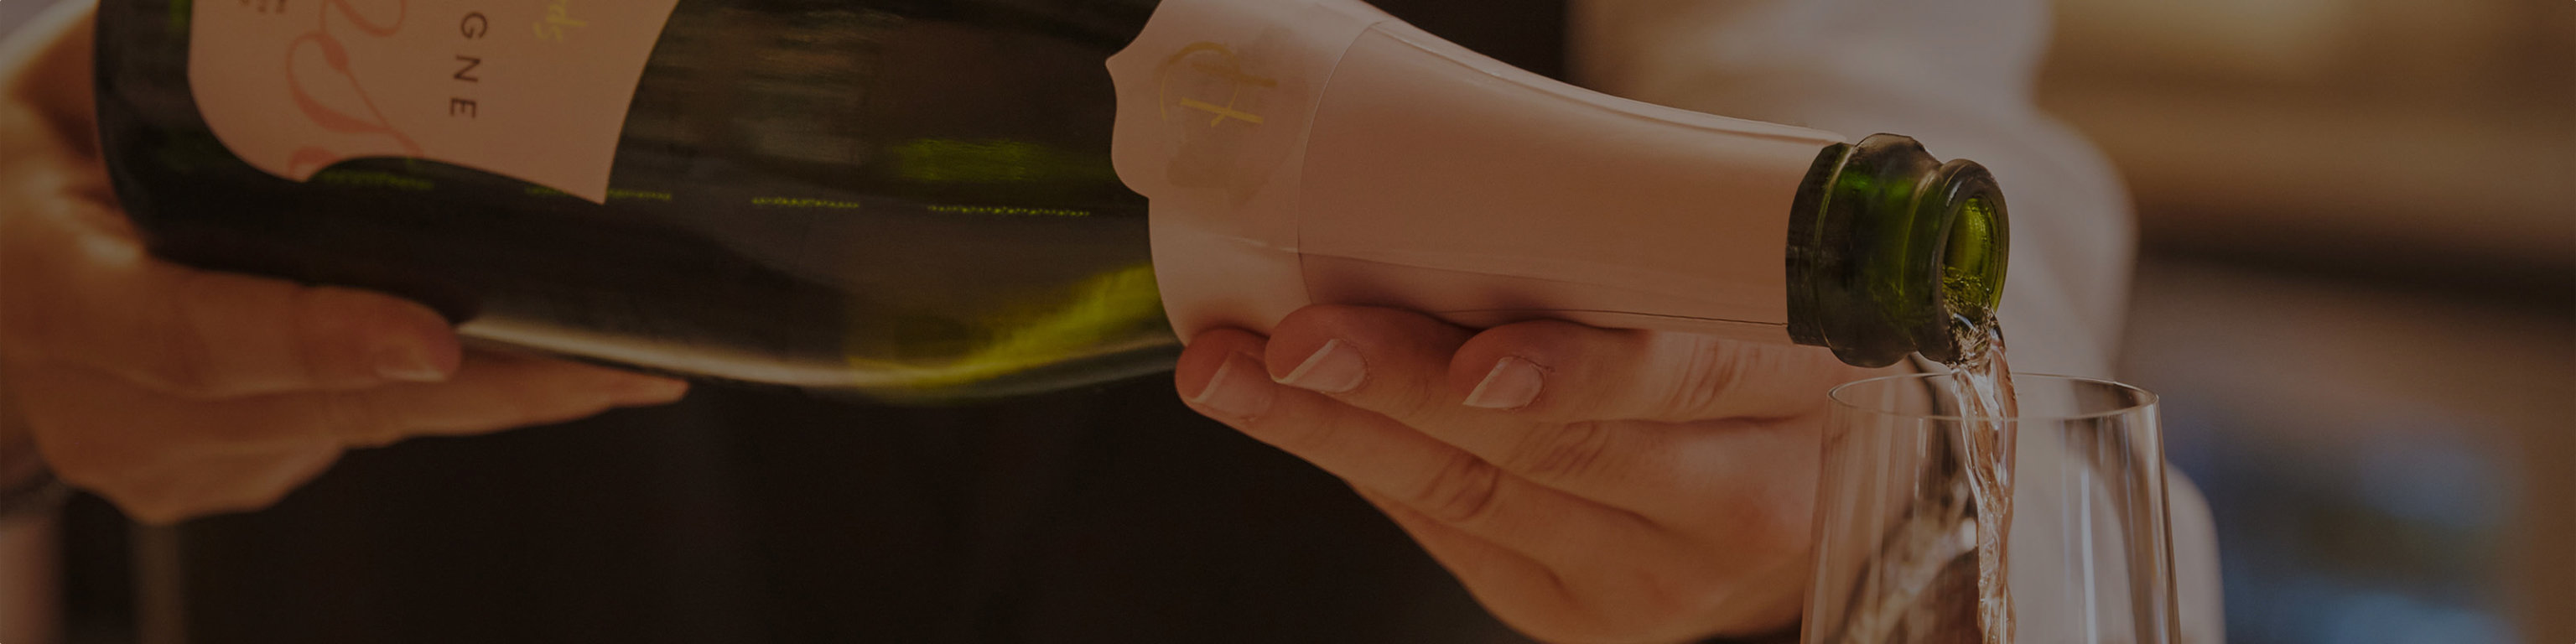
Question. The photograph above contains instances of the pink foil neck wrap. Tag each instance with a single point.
(1319, 151)
(1215, 99)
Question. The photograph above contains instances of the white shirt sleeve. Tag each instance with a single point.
(1957, 76)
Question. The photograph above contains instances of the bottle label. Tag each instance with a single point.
(535, 90)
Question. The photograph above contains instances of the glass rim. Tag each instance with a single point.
(2146, 399)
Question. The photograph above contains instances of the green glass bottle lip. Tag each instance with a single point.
(1972, 239)
(1890, 251)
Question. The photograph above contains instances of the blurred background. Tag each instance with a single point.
(2357, 293)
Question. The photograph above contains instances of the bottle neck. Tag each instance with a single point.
(1892, 252)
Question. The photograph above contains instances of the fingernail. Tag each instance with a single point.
(650, 391)
(1332, 369)
(407, 361)
(1512, 384)
(1239, 389)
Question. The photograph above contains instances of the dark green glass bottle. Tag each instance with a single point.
(908, 198)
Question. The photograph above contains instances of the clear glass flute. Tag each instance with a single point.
(1895, 537)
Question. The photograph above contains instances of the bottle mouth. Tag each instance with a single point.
(1971, 244)
(1975, 249)
(1892, 252)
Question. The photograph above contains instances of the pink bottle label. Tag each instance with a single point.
(532, 89)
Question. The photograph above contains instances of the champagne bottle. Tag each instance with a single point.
(915, 199)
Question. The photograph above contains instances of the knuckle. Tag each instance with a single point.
(1296, 434)
(1462, 492)
(1571, 450)
(1415, 399)
(1714, 369)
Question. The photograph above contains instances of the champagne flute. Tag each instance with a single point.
(1895, 534)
